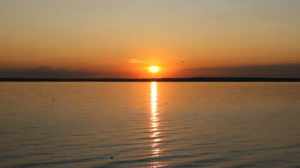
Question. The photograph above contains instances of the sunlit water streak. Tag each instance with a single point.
(154, 122)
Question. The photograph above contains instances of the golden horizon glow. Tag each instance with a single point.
(154, 69)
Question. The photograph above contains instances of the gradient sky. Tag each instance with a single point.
(122, 37)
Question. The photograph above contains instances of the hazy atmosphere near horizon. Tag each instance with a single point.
(184, 38)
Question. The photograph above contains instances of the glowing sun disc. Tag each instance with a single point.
(154, 69)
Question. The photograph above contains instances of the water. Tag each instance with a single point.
(151, 125)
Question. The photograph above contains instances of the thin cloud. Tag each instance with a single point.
(279, 70)
(136, 61)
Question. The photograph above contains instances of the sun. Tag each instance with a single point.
(154, 69)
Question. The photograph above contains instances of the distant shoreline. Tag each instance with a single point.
(196, 79)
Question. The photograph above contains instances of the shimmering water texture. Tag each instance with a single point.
(150, 125)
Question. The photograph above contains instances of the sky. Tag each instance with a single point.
(120, 38)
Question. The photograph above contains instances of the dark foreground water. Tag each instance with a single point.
(151, 125)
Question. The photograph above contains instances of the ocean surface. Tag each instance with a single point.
(149, 125)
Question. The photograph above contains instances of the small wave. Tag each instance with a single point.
(60, 162)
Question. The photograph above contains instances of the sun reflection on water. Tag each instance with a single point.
(155, 125)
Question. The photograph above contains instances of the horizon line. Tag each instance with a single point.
(180, 79)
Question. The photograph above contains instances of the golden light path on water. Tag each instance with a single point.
(154, 122)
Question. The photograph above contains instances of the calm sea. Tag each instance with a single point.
(149, 125)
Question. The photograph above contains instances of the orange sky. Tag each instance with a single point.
(122, 38)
